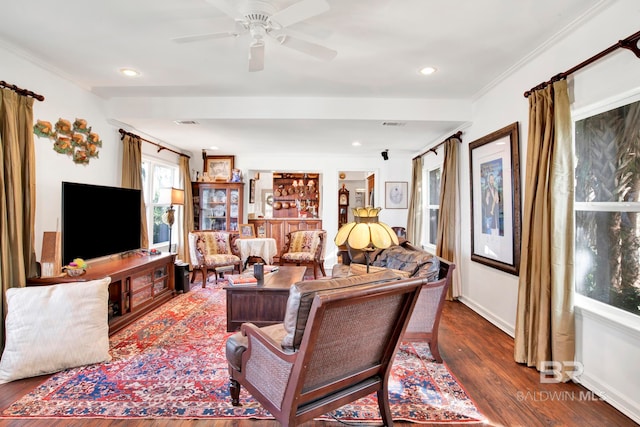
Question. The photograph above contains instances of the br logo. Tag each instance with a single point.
(552, 371)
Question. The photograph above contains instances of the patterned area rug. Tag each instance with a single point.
(171, 364)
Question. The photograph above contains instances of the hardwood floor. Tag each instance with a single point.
(479, 355)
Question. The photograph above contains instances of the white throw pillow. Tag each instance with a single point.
(51, 328)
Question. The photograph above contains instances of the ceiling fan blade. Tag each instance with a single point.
(307, 30)
(299, 11)
(317, 51)
(256, 56)
(209, 36)
(227, 7)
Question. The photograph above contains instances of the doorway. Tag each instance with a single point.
(361, 187)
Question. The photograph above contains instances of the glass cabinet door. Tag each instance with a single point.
(217, 206)
(213, 209)
(234, 208)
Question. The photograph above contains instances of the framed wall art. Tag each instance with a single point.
(219, 168)
(247, 231)
(494, 164)
(395, 195)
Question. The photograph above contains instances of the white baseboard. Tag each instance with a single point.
(621, 403)
(499, 323)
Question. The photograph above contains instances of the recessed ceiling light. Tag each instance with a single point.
(185, 122)
(129, 72)
(213, 147)
(356, 143)
(427, 71)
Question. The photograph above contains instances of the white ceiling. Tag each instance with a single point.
(380, 46)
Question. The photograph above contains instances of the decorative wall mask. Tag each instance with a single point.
(75, 140)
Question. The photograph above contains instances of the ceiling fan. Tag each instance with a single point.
(261, 19)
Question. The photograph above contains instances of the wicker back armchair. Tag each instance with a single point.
(210, 250)
(346, 352)
(425, 321)
(305, 247)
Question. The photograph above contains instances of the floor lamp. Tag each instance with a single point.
(177, 198)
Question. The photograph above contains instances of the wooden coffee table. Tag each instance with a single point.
(261, 305)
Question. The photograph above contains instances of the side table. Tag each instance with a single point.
(262, 247)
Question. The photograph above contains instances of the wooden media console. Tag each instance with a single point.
(139, 283)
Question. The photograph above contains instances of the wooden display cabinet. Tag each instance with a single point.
(218, 206)
(295, 195)
(139, 283)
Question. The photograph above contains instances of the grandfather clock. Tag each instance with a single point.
(343, 206)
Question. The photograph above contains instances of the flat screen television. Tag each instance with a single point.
(98, 221)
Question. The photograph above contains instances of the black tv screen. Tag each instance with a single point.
(98, 221)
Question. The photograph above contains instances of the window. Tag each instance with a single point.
(607, 205)
(434, 204)
(157, 178)
(432, 171)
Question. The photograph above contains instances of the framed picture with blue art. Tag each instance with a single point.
(494, 163)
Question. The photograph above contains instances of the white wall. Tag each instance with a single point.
(63, 100)
(609, 352)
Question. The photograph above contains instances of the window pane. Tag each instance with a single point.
(162, 179)
(160, 229)
(433, 225)
(607, 253)
(145, 181)
(607, 169)
(434, 187)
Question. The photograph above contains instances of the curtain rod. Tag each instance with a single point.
(21, 91)
(160, 147)
(455, 135)
(630, 43)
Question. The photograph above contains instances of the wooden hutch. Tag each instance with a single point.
(296, 203)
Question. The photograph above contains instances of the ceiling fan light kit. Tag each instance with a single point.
(260, 18)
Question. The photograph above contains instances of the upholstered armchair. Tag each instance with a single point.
(210, 250)
(336, 345)
(305, 247)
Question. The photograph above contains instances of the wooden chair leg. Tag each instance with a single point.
(383, 405)
(234, 391)
(435, 351)
(202, 271)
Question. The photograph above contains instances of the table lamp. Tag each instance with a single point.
(177, 198)
(366, 232)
